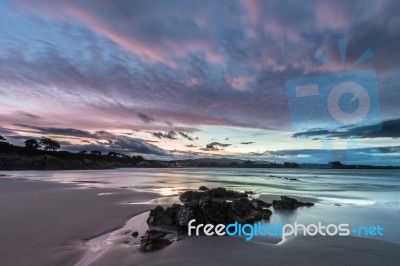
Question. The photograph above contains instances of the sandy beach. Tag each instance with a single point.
(45, 223)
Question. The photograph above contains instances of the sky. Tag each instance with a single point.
(190, 79)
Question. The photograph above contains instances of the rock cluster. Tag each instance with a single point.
(213, 206)
(289, 203)
(210, 206)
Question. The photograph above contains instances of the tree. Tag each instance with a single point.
(112, 154)
(50, 144)
(2, 138)
(138, 158)
(248, 163)
(95, 152)
(32, 144)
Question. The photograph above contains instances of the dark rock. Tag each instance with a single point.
(204, 203)
(166, 216)
(266, 214)
(185, 214)
(218, 192)
(187, 196)
(288, 203)
(204, 192)
(260, 203)
(135, 234)
(249, 192)
(154, 240)
(213, 206)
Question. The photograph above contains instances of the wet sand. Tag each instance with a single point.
(45, 223)
(235, 251)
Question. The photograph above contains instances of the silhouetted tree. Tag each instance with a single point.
(337, 164)
(138, 158)
(112, 154)
(248, 163)
(290, 165)
(2, 138)
(32, 144)
(95, 152)
(82, 152)
(50, 144)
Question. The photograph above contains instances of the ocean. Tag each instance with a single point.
(355, 197)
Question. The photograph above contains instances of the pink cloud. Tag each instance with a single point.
(239, 83)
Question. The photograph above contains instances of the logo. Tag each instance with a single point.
(282, 230)
(343, 104)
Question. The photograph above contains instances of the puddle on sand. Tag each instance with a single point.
(99, 245)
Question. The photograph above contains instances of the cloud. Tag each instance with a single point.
(215, 146)
(359, 155)
(102, 140)
(131, 65)
(186, 136)
(247, 142)
(240, 77)
(59, 131)
(191, 146)
(6, 132)
(135, 145)
(145, 118)
(169, 135)
(28, 115)
(388, 129)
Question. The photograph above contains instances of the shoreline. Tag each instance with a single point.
(389, 168)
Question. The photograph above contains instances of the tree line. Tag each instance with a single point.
(49, 144)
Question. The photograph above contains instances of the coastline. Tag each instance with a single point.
(50, 224)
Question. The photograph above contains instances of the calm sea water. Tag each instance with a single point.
(356, 197)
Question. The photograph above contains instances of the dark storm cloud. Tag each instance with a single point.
(215, 146)
(388, 129)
